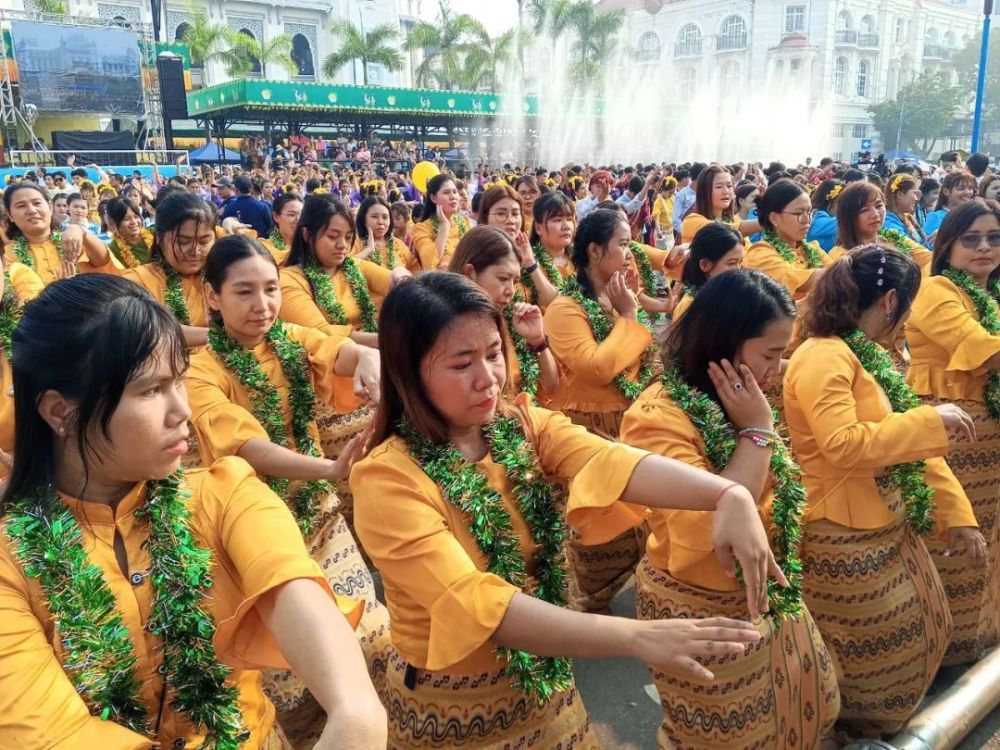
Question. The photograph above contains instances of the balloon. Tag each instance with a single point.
(422, 172)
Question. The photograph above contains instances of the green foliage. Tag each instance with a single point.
(246, 52)
(595, 34)
(922, 112)
(373, 47)
(446, 44)
(966, 62)
(206, 40)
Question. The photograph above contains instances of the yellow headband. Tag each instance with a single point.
(897, 181)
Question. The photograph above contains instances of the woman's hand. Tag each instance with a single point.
(741, 397)
(370, 246)
(353, 452)
(738, 536)
(443, 223)
(620, 297)
(368, 375)
(956, 422)
(398, 274)
(72, 243)
(678, 255)
(680, 645)
(524, 252)
(528, 323)
(969, 539)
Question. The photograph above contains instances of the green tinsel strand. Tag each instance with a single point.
(173, 296)
(813, 252)
(546, 263)
(526, 360)
(331, 307)
(645, 272)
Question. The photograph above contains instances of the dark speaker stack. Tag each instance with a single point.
(172, 93)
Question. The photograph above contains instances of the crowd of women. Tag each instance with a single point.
(212, 441)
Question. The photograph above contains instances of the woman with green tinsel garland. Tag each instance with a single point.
(902, 194)
(487, 256)
(716, 248)
(872, 464)
(551, 241)
(460, 505)
(253, 391)
(709, 411)
(954, 339)
(374, 240)
(139, 601)
(18, 284)
(286, 210)
(604, 344)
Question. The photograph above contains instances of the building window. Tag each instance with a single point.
(302, 55)
(795, 68)
(649, 48)
(795, 19)
(733, 34)
(840, 76)
(254, 62)
(863, 78)
(181, 31)
(732, 76)
(843, 21)
(860, 130)
(900, 34)
(689, 82)
(688, 41)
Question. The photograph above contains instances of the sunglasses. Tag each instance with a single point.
(972, 240)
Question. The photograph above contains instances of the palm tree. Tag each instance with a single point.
(446, 46)
(371, 47)
(206, 41)
(483, 66)
(54, 7)
(595, 34)
(249, 54)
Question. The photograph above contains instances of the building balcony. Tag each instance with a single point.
(868, 41)
(687, 49)
(933, 52)
(731, 44)
(846, 37)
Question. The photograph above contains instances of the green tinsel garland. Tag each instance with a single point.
(10, 314)
(467, 487)
(331, 307)
(720, 441)
(600, 326)
(266, 408)
(97, 646)
(526, 359)
(277, 240)
(908, 478)
(898, 240)
(458, 219)
(390, 253)
(986, 306)
(23, 253)
(546, 263)
(173, 295)
(645, 273)
(812, 251)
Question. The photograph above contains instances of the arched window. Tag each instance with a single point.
(121, 22)
(733, 34)
(867, 25)
(649, 47)
(843, 21)
(688, 41)
(181, 31)
(302, 55)
(255, 63)
(863, 78)
(840, 75)
(949, 40)
(732, 76)
(689, 83)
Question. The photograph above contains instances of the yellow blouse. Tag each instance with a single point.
(256, 547)
(793, 276)
(948, 346)
(682, 305)
(423, 240)
(48, 261)
(26, 286)
(221, 410)
(280, 256)
(920, 254)
(400, 251)
(299, 306)
(663, 210)
(443, 606)
(680, 541)
(152, 278)
(590, 367)
(844, 433)
(693, 222)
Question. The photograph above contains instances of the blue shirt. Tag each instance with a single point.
(892, 221)
(248, 210)
(823, 230)
(682, 202)
(933, 221)
(754, 216)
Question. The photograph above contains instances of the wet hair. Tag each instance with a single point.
(174, 211)
(482, 247)
(362, 219)
(317, 213)
(821, 200)
(283, 200)
(597, 228)
(117, 209)
(857, 281)
(493, 196)
(854, 198)
(703, 194)
(10, 228)
(710, 243)
(546, 207)
(86, 338)
(434, 185)
(224, 253)
(955, 224)
(730, 309)
(951, 181)
(405, 339)
(776, 198)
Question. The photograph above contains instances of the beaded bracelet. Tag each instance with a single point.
(759, 436)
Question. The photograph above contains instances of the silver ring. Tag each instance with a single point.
(737, 387)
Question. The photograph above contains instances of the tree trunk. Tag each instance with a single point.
(364, 70)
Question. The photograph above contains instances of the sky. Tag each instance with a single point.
(497, 15)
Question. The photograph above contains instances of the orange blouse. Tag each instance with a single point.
(153, 279)
(423, 240)
(793, 276)
(299, 306)
(48, 261)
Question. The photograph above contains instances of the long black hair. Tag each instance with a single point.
(710, 243)
(85, 338)
(172, 212)
(546, 206)
(10, 228)
(362, 220)
(317, 212)
(226, 252)
(434, 184)
(955, 224)
(597, 228)
(730, 309)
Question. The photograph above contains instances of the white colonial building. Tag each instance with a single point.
(849, 53)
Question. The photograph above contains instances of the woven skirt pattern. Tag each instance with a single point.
(335, 430)
(974, 590)
(332, 546)
(598, 572)
(480, 712)
(882, 611)
(780, 694)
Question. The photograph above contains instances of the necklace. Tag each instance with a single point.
(460, 222)
(526, 361)
(328, 303)
(813, 252)
(908, 478)
(544, 260)
(10, 314)
(173, 294)
(390, 254)
(266, 408)
(23, 253)
(720, 440)
(277, 240)
(985, 303)
(134, 254)
(466, 486)
(898, 240)
(97, 650)
(600, 326)
(645, 272)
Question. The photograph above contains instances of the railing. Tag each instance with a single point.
(729, 43)
(868, 40)
(48, 158)
(933, 52)
(687, 49)
(846, 36)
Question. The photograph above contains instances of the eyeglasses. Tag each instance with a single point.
(504, 215)
(803, 217)
(973, 241)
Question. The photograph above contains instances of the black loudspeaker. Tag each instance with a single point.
(172, 93)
